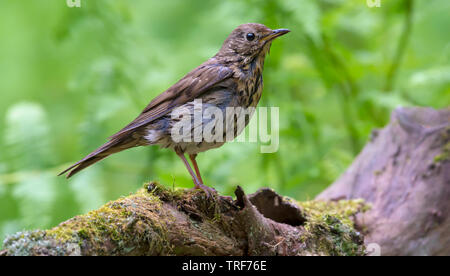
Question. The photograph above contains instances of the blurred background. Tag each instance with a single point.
(71, 77)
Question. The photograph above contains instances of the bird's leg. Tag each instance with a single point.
(188, 167)
(197, 171)
(197, 183)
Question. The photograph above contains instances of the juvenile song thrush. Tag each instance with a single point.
(231, 78)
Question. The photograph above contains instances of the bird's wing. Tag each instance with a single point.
(194, 84)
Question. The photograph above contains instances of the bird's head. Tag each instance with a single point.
(250, 40)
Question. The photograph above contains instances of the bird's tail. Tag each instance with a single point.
(101, 153)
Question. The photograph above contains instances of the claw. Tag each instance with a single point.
(208, 190)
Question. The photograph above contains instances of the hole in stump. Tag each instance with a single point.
(272, 206)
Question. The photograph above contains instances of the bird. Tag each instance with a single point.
(231, 78)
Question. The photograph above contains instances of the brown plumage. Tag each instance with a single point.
(232, 78)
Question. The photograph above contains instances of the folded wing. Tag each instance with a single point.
(192, 86)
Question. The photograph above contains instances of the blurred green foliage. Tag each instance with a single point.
(71, 77)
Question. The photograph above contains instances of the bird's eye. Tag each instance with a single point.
(250, 36)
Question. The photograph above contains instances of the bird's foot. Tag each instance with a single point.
(208, 190)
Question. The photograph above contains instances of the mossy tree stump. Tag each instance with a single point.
(159, 221)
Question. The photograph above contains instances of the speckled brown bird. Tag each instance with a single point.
(231, 78)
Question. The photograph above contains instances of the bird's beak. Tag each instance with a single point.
(275, 33)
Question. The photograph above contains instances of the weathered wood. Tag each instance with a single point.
(404, 172)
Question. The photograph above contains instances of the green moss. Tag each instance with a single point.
(164, 193)
(330, 229)
(444, 155)
(342, 209)
(121, 222)
(83, 234)
(137, 225)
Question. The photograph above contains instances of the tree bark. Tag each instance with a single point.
(404, 173)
